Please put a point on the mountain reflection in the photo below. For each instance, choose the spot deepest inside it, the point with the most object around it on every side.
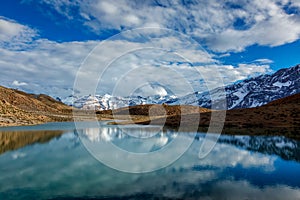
(137, 139)
(12, 140)
(76, 174)
(286, 148)
(151, 139)
(62, 167)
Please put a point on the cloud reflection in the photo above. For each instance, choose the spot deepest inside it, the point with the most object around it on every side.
(61, 168)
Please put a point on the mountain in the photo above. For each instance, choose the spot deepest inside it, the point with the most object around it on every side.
(280, 117)
(249, 93)
(17, 107)
(109, 102)
(284, 112)
(31, 102)
(157, 110)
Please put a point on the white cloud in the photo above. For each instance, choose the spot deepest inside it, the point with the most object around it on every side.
(149, 90)
(228, 74)
(271, 32)
(13, 34)
(133, 70)
(133, 59)
(46, 67)
(107, 7)
(264, 61)
(261, 22)
(294, 3)
(50, 67)
(17, 83)
(9, 29)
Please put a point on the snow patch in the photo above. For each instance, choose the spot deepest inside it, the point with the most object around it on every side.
(279, 84)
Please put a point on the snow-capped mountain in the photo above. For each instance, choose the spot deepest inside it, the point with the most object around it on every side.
(282, 146)
(107, 101)
(248, 93)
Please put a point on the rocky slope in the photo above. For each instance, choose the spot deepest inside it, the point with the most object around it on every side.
(249, 93)
(20, 108)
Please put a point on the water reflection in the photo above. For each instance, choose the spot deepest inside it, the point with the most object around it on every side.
(237, 168)
(140, 140)
(286, 148)
(143, 150)
(11, 140)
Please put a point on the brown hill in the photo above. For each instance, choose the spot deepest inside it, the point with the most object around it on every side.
(32, 102)
(283, 112)
(149, 112)
(156, 110)
(280, 115)
(293, 99)
(20, 108)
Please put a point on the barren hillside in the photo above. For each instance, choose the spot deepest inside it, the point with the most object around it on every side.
(20, 108)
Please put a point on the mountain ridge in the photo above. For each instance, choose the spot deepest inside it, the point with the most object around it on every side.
(248, 93)
(18, 107)
(281, 117)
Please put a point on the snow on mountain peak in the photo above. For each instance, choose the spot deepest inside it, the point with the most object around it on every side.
(108, 101)
(252, 92)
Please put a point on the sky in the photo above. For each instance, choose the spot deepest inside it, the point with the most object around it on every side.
(126, 47)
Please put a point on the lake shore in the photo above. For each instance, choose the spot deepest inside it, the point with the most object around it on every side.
(280, 117)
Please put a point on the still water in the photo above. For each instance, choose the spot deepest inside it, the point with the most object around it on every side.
(58, 161)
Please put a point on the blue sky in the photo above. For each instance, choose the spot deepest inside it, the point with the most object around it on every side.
(43, 43)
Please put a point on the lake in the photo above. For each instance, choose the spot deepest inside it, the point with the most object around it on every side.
(92, 161)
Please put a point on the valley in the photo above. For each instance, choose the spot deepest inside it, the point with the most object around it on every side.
(276, 112)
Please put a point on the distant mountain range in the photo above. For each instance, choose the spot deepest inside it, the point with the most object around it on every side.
(252, 92)
(20, 108)
(108, 102)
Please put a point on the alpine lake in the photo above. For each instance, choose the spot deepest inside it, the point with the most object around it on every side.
(89, 160)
